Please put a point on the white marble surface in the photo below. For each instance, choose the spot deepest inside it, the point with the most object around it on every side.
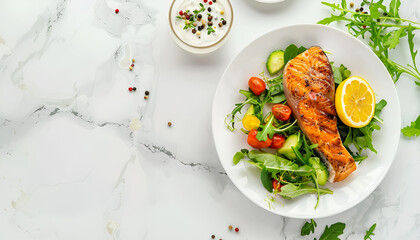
(82, 158)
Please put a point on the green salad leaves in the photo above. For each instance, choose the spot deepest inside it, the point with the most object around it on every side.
(413, 129)
(383, 28)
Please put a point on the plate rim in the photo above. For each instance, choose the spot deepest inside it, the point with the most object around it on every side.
(306, 216)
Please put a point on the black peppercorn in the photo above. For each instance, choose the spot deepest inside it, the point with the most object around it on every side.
(200, 28)
(199, 16)
(210, 23)
(209, 9)
(361, 9)
(194, 30)
(214, 1)
(210, 18)
(134, 88)
(224, 22)
(146, 93)
(357, 10)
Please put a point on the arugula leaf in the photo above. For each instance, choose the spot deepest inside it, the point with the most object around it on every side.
(291, 52)
(393, 38)
(374, 9)
(340, 73)
(238, 157)
(412, 52)
(394, 6)
(266, 180)
(278, 98)
(267, 131)
(331, 19)
(369, 232)
(413, 129)
(308, 227)
(332, 232)
(290, 191)
(384, 32)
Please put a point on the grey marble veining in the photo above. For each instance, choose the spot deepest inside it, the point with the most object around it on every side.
(83, 158)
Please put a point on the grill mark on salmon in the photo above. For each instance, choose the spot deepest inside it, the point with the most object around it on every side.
(309, 89)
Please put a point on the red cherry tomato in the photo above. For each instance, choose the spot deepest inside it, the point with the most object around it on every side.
(257, 85)
(281, 112)
(253, 141)
(277, 141)
(276, 185)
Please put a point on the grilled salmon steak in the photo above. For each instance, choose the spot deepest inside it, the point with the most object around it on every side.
(308, 83)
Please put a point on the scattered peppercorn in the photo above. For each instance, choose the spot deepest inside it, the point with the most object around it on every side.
(385, 14)
(194, 30)
(181, 13)
(357, 9)
(132, 64)
(214, 1)
(200, 28)
(361, 9)
(146, 97)
(131, 68)
(134, 88)
(117, 11)
(220, 24)
(210, 17)
(209, 9)
(224, 22)
(210, 2)
(130, 89)
(365, 12)
(212, 236)
(352, 4)
(199, 16)
(230, 227)
(169, 124)
(210, 23)
(147, 92)
(236, 229)
(133, 60)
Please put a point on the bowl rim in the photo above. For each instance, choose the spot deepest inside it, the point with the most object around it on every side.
(206, 46)
(306, 216)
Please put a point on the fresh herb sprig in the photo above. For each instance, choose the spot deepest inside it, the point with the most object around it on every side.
(413, 129)
(369, 232)
(385, 32)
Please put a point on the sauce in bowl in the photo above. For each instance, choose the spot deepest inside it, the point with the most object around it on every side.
(200, 26)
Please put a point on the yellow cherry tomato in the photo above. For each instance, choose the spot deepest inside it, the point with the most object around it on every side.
(250, 122)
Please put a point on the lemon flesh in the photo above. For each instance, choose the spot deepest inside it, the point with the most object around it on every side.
(355, 102)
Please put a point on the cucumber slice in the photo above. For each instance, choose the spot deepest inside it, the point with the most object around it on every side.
(294, 141)
(320, 170)
(275, 62)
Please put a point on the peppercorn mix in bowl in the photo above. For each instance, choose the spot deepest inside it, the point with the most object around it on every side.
(200, 26)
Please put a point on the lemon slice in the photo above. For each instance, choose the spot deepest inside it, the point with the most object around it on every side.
(355, 102)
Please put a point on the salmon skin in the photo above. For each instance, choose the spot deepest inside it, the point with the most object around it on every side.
(309, 88)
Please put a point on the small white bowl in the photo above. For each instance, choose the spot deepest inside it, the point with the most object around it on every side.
(183, 41)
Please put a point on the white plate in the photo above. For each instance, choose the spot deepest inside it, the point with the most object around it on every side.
(345, 50)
